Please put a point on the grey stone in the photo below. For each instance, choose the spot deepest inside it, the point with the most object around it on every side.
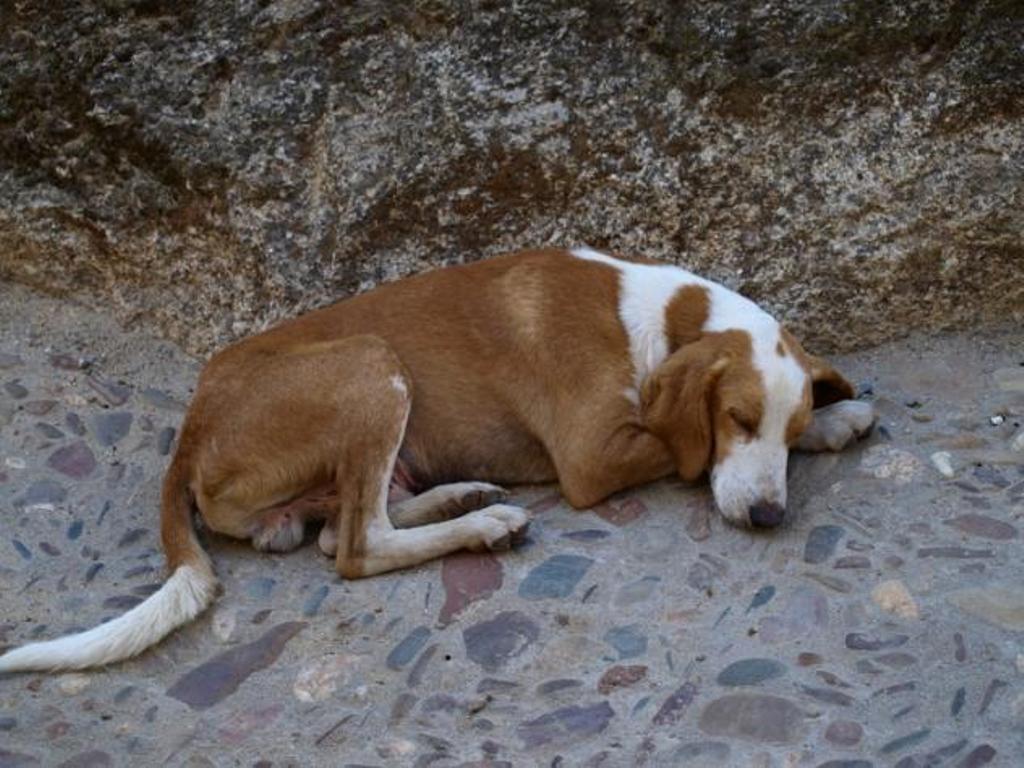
(493, 642)
(16, 390)
(630, 641)
(565, 725)
(219, 677)
(983, 526)
(905, 742)
(844, 733)
(821, 543)
(556, 577)
(411, 644)
(164, 439)
(857, 641)
(754, 718)
(49, 431)
(111, 427)
(996, 605)
(750, 672)
(45, 491)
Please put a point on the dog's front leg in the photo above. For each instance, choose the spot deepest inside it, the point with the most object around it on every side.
(836, 426)
(599, 459)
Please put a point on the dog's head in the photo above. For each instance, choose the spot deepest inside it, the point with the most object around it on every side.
(733, 402)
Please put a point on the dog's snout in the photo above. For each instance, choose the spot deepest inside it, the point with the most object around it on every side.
(766, 514)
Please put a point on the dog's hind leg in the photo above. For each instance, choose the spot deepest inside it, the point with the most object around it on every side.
(367, 541)
(444, 502)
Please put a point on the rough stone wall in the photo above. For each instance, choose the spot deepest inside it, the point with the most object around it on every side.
(206, 167)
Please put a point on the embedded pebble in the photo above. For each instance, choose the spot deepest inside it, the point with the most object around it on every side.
(943, 461)
(621, 677)
(750, 672)
(113, 394)
(492, 643)
(73, 683)
(45, 491)
(316, 598)
(844, 733)
(636, 592)
(996, 605)
(164, 439)
(218, 678)
(856, 641)
(565, 725)
(887, 463)
(821, 543)
(112, 426)
(893, 597)
(629, 641)
(407, 649)
(675, 707)
(224, 623)
(319, 680)
(983, 526)
(468, 577)
(16, 390)
(755, 718)
(75, 460)
(49, 431)
(556, 577)
(39, 407)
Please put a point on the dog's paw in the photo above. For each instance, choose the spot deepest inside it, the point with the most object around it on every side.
(836, 426)
(479, 495)
(328, 540)
(500, 527)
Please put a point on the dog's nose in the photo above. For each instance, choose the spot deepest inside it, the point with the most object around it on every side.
(766, 514)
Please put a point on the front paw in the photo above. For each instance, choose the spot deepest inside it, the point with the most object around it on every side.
(836, 426)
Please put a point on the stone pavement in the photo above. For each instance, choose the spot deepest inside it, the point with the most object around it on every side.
(881, 627)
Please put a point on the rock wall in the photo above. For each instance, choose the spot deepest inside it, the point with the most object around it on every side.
(207, 167)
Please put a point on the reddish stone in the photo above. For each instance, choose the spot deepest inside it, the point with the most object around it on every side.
(239, 725)
(621, 676)
(468, 577)
(844, 733)
(983, 526)
(676, 705)
(622, 513)
(75, 460)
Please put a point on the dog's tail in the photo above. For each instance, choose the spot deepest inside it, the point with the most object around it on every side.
(186, 594)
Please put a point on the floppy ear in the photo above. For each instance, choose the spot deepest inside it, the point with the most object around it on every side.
(676, 404)
(828, 385)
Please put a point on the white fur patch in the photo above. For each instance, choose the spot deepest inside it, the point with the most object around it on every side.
(756, 470)
(398, 384)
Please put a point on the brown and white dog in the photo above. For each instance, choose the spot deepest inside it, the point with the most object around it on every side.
(598, 372)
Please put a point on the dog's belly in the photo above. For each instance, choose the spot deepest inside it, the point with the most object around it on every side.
(496, 453)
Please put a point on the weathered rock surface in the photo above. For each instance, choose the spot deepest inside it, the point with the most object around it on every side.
(207, 167)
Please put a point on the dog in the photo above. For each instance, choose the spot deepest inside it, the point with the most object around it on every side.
(595, 371)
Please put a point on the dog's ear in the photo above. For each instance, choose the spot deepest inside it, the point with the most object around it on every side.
(827, 384)
(676, 404)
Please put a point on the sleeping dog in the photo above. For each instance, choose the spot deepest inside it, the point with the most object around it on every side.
(597, 372)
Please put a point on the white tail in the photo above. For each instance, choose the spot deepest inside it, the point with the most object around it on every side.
(185, 595)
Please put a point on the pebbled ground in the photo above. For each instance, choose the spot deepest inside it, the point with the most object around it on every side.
(882, 626)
